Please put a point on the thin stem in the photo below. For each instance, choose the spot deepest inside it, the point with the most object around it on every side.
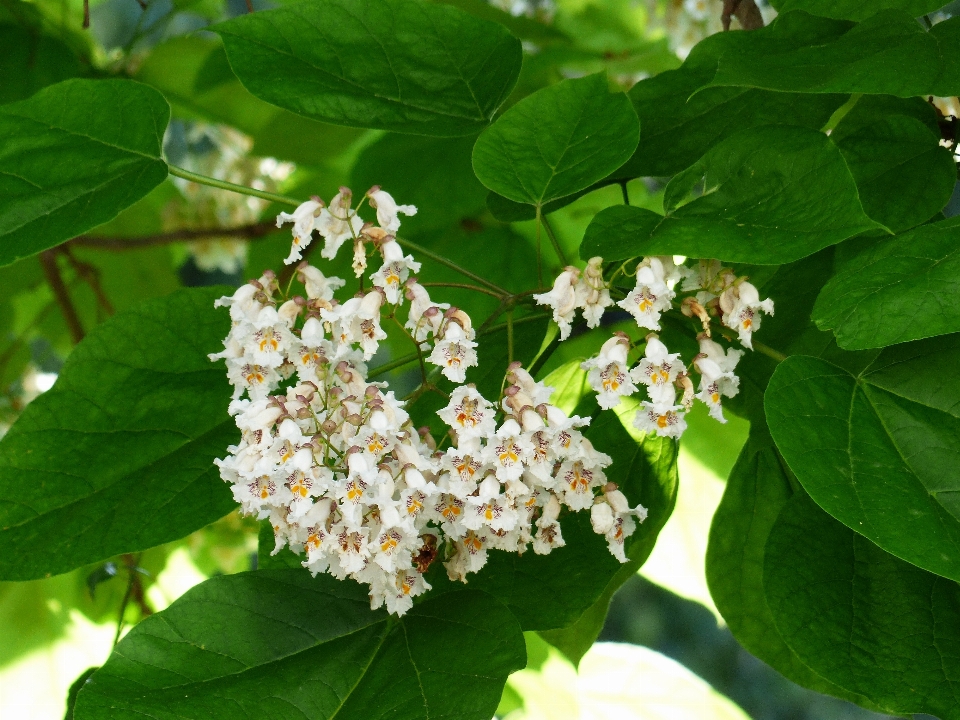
(539, 258)
(553, 239)
(626, 195)
(769, 351)
(393, 365)
(423, 367)
(48, 259)
(224, 185)
(509, 336)
(91, 276)
(246, 232)
(465, 286)
(453, 266)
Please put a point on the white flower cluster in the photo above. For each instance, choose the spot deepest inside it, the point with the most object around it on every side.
(334, 461)
(718, 292)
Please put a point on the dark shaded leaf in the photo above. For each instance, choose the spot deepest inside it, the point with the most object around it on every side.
(281, 644)
(72, 157)
(401, 65)
(896, 289)
(869, 622)
(556, 142)
(888, 53)
(758, 487)
(118, 456)
(767, 195)
(879, 449)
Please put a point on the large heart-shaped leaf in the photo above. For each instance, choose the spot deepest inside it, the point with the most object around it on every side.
(903, 175)
(856, 9)
(403, 65)
(557, 141)
(871, 623)
(898, 289)
(888, 53)
(879, 450)
(72, 157)
(767, 195)
(284, 645)
(757, 489)
(118, 456)
(678, 124)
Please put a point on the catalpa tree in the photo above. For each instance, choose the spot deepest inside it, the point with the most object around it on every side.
(502, 274)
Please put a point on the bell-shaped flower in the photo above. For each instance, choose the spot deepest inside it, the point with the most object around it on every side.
(663, 417)
(651, 296)
(717, 379)
(338, 223)
(593, 295)
(508, 450)
(387, 209)
(658, 369)
(562, 299)
(741, 305)
(469, 413)
(394, 272)
(609, 374)
(318, 285)
(454, 353)
(304, 220)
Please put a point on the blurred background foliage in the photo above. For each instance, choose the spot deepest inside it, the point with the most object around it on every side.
(184, 234)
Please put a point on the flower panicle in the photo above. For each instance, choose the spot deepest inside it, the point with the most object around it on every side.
(334, 461)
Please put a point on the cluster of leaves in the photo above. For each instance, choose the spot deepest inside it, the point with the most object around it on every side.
(806, 150)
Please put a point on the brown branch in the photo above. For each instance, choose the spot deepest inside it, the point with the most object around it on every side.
(253, 231)
(86, 14)
(746, 12)
(48, 259)
(91, 276)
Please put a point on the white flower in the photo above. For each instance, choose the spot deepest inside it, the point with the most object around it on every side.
(658, 369)
(304, 220)
(717, 379)
(454, 353)
(663, 417)
(651, 296)
(395, 271)
(592, 292)
(425, 315)
(317, 285)
(578, 480)
(469, 413)
(609, 374)
(508, 450)
(562, 299)
(741, 305)
(338, 223)
(387, 209)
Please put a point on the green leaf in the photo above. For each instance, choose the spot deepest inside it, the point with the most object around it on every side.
(757, 489)
(281, 644)
(72, 157)
(402, 65)
(32, 60)
(879, 450)
(767, 195)
(889, 53)
(678, 125)
(433, 174)
(869, 622)
(618, 232)
(856, 9)
(896, 290)
(194, 75)
(118, 456)
(556, 142)
(902, 173)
